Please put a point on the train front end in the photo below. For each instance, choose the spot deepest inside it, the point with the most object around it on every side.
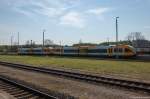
(129, 51)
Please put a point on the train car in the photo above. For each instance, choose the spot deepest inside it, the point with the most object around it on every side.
(121, 51)
(48, 51)
(98, 51)
(73, 51)
(25, 51)
(101, 51)
(37, 51)
(83, 50)
(143, 50)
(57, 51)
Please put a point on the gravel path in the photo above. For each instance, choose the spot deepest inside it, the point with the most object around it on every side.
(75, 88)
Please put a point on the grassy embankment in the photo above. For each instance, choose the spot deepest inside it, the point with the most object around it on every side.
(140, 70)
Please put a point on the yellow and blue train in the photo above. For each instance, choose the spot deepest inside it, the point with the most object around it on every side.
(98, 51)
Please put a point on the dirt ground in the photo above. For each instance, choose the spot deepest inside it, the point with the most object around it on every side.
(75, 88)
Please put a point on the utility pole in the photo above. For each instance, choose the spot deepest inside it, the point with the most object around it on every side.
(117, 37)
(18, 39)
(11, 41)
(43, 37)
(31, 43)
(60, 48)
(60, 43)
(108, 41)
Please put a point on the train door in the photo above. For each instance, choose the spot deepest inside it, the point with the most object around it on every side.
(30, 51)
(110, 52)
(83, 51)
(46, 51)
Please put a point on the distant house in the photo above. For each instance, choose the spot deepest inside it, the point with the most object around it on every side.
(141, 43)
(142, 46)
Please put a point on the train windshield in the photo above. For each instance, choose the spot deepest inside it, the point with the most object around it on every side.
(132, 48)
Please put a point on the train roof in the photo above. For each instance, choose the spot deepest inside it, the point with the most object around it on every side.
(37, 48)
(71, 47)
(75, 47)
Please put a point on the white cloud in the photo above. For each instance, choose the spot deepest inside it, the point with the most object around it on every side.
(64, 12)
(24, 12)
(98, 11)
(49, 8)
(73, 19)
(49, 12)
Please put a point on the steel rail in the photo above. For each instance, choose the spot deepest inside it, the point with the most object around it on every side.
(22, 91)
(141, 86)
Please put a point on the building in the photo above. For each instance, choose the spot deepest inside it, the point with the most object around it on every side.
(142, 46)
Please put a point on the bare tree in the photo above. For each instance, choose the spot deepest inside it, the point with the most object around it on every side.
(27, 42)
(48, 42)
(80, 41)
(133, 36)
(33, 44)
(15, 43)
(139, 36)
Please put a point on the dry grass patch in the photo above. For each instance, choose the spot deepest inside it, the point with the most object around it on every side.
(139, 70)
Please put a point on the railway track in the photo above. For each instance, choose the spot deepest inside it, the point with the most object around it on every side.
(140, 86)
(22, 91)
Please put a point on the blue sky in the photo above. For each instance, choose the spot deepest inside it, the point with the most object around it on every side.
(69, 21)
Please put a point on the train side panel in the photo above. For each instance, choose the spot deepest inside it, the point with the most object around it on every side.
(98, 51)
(71, 51)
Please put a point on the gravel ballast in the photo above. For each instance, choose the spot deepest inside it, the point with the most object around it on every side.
(74, 88)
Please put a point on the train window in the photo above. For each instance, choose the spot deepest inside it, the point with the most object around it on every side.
(28, 50)
(83, 51)
(120, 50)
(127, 50)
(37, 50)
(115, 50)
(71, 51)
(103, 51)
(57, 50)
(97, 51)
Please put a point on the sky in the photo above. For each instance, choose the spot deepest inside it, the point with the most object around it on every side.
(68, 21)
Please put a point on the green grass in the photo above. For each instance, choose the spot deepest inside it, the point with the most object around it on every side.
(139, 70)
